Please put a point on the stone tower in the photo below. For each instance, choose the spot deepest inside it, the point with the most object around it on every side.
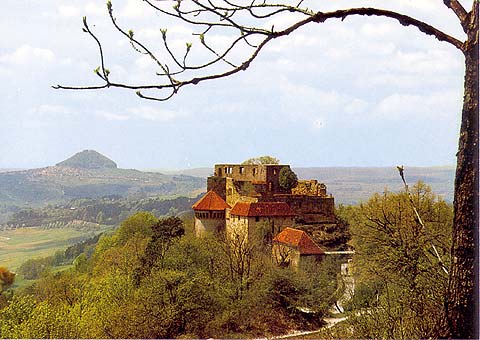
(210, 214)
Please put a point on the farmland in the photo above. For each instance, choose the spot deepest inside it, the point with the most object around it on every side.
(19, 245)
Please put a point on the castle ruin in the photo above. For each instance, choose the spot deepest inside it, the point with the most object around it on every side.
(239, 197)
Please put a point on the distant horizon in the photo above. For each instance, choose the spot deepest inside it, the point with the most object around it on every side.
(228, 160)
(162, 169)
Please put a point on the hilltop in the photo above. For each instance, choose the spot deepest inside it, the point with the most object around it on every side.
(88, 159)
(89, 174)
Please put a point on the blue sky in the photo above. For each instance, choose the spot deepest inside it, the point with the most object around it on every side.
(363, 92)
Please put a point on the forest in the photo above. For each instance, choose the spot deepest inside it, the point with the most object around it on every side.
(152, 278)
(107, 210)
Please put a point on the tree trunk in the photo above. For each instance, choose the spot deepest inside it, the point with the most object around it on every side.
(462, 300)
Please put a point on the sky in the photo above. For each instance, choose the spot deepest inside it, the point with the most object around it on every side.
(362, 92)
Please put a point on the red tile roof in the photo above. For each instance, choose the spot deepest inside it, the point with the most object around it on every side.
(211, 201)
(298, 239)
(272, 209)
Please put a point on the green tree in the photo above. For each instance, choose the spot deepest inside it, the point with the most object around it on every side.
(139, 224)
(164, 233)
(14, 315)
(396, 266)
(261, 160)
(287, 178)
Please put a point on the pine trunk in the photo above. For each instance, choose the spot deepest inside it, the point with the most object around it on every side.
(462, 301)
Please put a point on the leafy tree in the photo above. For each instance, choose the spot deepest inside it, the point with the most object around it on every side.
(287, 178)
(261, 160)
(195, 288)
(397, 271)
(14, 315)
(248, 24)
(164, 233)
(139, 224)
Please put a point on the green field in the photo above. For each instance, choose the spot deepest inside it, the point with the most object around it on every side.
(19, 245)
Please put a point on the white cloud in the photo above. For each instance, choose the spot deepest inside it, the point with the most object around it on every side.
(93, 8)
(112, 116)
(377, 30)
(356, 106)
(68, 11)
(134, 9)
(430, 61)
(48, 109)
(26, 54)
(153, 114)
(437, 105)
(144, 62)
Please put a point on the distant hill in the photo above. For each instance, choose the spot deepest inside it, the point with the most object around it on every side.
(88, 159)
(89, 174)
(196, 172)
(352, 185)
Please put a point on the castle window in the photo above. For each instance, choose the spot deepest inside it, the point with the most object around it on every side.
(241, 170)
(274, 171)
(257, 218)
(229, 191)
(254, 171)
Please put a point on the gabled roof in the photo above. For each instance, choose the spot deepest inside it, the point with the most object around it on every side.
(266, 209)
(211, 201)
(298, 239)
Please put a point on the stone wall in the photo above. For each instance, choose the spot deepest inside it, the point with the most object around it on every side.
(257, 174)
(208, 225)
(310, 209)
(217, 184)
(237, 226)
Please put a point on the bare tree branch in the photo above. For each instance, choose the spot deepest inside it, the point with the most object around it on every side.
(458, 9)
(209, 16)
(404, 20)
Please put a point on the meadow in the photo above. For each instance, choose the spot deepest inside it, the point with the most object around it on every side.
(19, 245)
